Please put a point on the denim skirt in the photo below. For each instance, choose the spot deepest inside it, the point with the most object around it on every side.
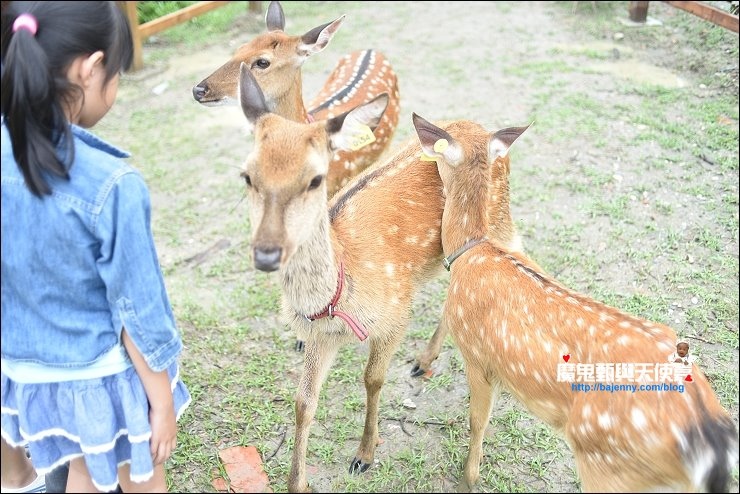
(105, 420)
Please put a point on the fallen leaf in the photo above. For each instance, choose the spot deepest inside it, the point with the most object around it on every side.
(725, 120)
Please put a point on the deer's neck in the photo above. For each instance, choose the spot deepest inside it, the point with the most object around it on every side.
(290, 104)
(499, 213)
(310, 276)
(465, 215)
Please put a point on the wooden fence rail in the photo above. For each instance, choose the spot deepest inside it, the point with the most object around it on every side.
(638, 13)
(140, 32)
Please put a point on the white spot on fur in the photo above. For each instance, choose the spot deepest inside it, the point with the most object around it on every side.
(638, 419)
(605, 420)
(680, 437)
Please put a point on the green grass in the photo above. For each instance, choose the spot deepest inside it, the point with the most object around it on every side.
(193, 31)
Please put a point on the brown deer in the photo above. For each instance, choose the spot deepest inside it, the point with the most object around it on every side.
(513, 324)
(275, 59)
(349, 267)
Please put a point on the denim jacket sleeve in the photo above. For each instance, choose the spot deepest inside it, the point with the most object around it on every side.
(129, 266)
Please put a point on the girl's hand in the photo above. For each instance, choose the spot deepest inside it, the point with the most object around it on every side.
(164, 432)
(161, 408)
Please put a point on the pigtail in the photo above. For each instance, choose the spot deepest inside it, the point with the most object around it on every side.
(31, 106)
(39, 42)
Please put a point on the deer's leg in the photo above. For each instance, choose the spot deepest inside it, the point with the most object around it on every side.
(424, 360)
(381, 351)
(481, 402)
(317, 362)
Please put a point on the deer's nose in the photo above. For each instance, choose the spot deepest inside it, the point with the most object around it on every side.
(198, 92)
(267, 259)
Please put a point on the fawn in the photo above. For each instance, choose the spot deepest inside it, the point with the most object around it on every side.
(512, 324)
(348, 267)
(275, 59)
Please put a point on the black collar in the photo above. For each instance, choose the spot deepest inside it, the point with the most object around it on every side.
(447, 261)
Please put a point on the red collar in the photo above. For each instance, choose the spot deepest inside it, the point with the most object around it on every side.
(332, 311)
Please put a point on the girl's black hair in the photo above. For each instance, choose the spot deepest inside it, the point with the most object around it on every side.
(35, 88)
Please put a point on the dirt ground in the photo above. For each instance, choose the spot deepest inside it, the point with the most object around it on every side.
(501, 64)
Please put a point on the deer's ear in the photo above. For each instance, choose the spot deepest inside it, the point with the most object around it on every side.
(275, 18)
(318, 38)
(436, 143)
(500, 141)
(354, 129)
(250, 95)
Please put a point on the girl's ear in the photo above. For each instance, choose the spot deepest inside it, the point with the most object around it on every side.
(89, 65)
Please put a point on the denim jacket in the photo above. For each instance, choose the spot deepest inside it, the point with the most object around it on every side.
(80, 264)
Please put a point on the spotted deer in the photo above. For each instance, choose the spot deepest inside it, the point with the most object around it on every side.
(348, 267)
(516, 327)
(275, 59)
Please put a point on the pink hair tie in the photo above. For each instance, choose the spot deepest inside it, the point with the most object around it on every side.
(26, 21)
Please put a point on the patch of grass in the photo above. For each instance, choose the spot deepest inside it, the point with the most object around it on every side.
(571, 114)
(615, 208)
(701, 129)
(196, 31)
(438, 381)
(547, 68)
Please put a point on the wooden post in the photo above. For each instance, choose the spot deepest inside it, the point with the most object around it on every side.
(255, 7)
(638, 11)
(129, 8)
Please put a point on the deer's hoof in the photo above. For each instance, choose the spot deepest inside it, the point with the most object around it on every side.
(298, 345)
(417, 371)
(358, 466)
(464, 487)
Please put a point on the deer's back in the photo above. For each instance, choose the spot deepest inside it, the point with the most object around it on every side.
(388, 223)
(527, 322)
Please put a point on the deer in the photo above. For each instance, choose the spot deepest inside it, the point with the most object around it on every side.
(512, 324)
(348, 266)
(275, 59)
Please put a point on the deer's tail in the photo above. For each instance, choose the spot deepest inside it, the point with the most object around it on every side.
(711, 450)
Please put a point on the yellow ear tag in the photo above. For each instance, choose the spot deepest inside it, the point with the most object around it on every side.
(362, 138)
(439, 147)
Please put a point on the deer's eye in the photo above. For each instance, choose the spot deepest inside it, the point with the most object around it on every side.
(261, 63)
(247, 180)
(315, 182)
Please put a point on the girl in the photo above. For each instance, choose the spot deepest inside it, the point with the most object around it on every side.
(89, 341)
